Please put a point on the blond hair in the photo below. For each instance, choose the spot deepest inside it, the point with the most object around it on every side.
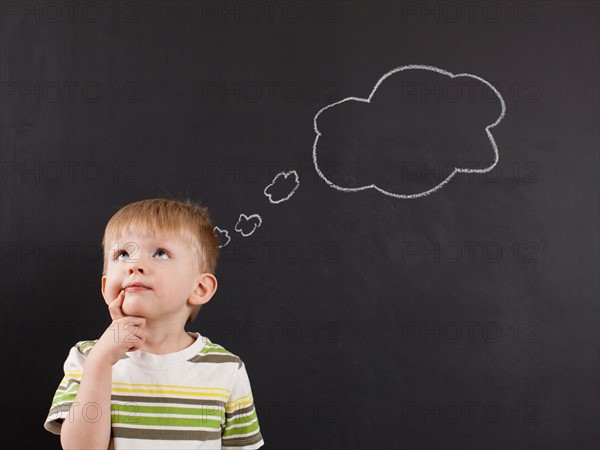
(184, 219)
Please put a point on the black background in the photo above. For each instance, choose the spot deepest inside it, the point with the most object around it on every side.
(322, 301)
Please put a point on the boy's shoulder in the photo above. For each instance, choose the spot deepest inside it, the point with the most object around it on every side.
(84, 347)
(210, 352)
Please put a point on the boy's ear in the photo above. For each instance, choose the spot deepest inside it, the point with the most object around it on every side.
(206, 288)
(103, 289)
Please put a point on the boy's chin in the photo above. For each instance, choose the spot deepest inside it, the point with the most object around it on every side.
(131, 309)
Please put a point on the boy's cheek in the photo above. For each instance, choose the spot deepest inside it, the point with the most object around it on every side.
(113, 291)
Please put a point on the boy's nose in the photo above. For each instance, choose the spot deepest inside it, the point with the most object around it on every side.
(135, 267)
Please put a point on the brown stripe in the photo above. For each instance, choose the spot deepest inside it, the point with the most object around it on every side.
(186, 401)
(68, 386)
(65, 407)
(214, 358)
(247, 409)
(168, 435)
(80, 344)
(241, 441)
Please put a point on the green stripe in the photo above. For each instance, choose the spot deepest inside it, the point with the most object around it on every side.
(68, 397)
(65, 387)
(165, 421)
(252, 428)
(202, 411)
(214, 349)
(242, 419)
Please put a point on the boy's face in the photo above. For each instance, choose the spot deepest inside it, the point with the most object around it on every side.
(166, 267)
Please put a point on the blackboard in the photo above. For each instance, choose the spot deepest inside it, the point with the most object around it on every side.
(377, 302)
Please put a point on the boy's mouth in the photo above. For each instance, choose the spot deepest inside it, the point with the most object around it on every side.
(134, 287)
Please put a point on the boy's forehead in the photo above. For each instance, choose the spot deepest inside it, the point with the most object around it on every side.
(139, 233)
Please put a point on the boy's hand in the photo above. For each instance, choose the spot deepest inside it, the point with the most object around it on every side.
(125, 333)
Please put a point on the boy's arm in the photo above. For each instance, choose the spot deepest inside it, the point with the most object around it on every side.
(241, 430)
(89, 421)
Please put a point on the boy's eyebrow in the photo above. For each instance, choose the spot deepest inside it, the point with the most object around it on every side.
(154, 242)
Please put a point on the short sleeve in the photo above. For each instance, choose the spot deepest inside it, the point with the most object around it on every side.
(241, 429)
(68, 387)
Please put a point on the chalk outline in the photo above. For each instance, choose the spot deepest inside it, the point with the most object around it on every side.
(226, 235)
(368, 100)
(285, 174)
(248, 218)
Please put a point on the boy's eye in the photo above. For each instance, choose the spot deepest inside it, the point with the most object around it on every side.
(161, 251)
(157, 252)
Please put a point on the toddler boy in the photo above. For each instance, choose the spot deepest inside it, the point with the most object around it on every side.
(146, 382)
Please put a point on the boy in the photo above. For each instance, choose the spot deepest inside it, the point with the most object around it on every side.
(146, 382)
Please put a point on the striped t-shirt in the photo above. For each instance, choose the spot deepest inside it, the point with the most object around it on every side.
(197, 398)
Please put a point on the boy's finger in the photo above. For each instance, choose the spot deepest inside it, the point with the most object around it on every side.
(140, 333)
(135, 321)
(114, 308)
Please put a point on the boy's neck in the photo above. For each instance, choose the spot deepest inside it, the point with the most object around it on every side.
(162, 343)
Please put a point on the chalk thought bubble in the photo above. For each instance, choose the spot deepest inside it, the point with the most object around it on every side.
(247, 225)
(418, 128)
(282, 187)
(222, 236)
